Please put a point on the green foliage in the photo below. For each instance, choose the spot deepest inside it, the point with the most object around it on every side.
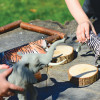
(26, 10)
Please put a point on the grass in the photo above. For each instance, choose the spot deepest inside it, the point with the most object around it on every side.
(26, 10)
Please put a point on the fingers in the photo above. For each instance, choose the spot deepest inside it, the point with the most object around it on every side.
(6, 87)
(93, 29)
(83, 37)
(7, 72)
(87, 28)
(14, 87)
(8, 91)
(83, 31)
(4, 66)
(7, 94)
(80, 34)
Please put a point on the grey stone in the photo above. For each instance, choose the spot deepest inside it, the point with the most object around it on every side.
(55, 84)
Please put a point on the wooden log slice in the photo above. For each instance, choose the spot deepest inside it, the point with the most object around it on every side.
(67, 51)
(83, 74)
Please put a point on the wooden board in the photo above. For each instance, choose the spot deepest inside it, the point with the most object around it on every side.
(83, 74)
(67, 51)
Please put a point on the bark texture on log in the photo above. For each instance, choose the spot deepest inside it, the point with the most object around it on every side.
(39, 29)
(51, 39)
(83, 74)
(10, 26)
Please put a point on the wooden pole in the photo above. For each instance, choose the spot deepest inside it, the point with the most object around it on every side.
(41, 29)
(10, 26)
(53, 38)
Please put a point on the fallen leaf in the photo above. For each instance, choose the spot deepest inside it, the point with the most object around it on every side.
(33, 10)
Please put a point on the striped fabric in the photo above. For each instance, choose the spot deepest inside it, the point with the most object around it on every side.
(94, 44)
(33, 47)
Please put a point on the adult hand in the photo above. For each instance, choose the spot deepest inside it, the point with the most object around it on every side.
(5, 86)
(83, 29)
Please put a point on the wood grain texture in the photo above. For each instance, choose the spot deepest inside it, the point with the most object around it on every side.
(83, 74)
(66, 51)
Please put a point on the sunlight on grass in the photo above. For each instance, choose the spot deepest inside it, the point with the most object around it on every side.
(27, 10)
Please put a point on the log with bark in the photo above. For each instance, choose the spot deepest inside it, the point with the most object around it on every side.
(53, 38)
(39, 29)
(66, 51)
(83, 74)
(10, 26)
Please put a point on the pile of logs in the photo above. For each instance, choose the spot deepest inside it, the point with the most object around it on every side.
(53, 34)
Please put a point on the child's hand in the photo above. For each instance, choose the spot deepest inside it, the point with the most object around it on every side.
(83, 29)
(5, 86)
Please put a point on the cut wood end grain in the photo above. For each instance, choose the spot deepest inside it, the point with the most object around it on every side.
(67, 51)
(83, 74)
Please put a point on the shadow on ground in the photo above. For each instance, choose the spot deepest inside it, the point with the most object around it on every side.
(53, 90)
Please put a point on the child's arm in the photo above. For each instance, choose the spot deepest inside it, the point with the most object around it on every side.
(82, 19)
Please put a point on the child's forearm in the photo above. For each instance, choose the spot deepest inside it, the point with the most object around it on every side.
(77, 11)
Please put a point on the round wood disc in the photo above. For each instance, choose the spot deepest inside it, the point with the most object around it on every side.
(66, 51)
(83, 74)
